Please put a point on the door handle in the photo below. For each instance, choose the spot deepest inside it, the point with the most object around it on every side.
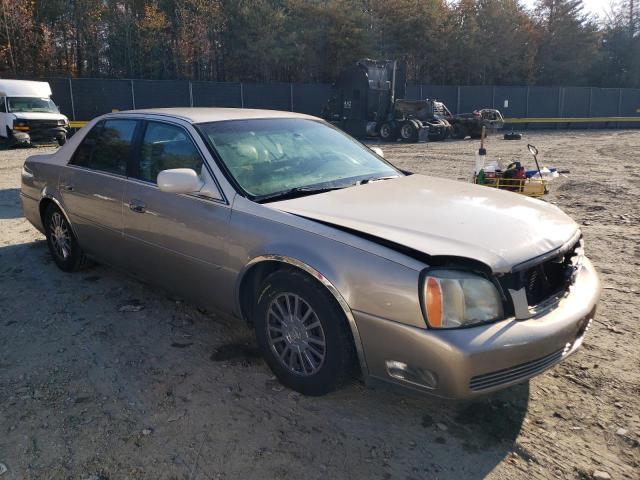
(137, 206)
(66, 187)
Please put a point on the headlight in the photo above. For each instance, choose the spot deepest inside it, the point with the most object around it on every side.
(459, 299)
(62, 123)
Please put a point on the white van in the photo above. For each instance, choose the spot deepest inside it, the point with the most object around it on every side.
(27, 114)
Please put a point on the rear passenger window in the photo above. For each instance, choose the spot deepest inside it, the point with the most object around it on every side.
(107, 147)
(164, 147)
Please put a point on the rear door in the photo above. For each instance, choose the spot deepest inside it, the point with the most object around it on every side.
(93, 184)
(175, 240)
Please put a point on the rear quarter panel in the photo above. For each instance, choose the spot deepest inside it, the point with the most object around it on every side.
(39, 179)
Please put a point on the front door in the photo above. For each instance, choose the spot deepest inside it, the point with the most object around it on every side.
(93, 185)
(176, 240)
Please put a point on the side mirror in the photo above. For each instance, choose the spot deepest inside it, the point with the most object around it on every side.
(378, 151)
(179, 180)
(532, 149)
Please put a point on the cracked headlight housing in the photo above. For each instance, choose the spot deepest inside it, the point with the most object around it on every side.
(454, 299)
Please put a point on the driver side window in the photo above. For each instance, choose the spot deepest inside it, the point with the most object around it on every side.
(164, 147)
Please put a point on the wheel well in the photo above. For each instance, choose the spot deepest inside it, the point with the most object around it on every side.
(44, 204)
(251, 282)
(254, 277)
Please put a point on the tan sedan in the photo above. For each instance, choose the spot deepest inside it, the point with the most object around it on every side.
(341, 262)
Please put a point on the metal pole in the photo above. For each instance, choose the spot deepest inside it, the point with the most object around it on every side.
(559, 107)
(133, 95)
(526, 108)
(291, 95)
(458, 102)
(421, 94)
(619, 106)
(590, 104)
(190, 94)
(241, 96)
(73, 106)
(493, 96)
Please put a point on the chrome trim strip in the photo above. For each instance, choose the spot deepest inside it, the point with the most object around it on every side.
(322, 279)
(59, 205)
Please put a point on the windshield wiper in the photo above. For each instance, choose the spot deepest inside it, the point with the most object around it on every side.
(375, 179)
(297, 192)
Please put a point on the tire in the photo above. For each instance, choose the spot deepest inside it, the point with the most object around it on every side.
(513, 136)
(63, 245)
(476, 135)
(408, 132)
(294, 351)
(62, 140)
(388, 132)
(459, 132)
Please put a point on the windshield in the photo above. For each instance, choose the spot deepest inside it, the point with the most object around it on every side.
(31, 104)
(269, 156)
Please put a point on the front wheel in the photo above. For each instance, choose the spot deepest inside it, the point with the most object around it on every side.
(64, 247)
(302, 333)
(62, 139)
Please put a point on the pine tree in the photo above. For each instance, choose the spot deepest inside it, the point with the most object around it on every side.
(568, 42)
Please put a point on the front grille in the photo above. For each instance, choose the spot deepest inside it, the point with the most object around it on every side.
(553, 276)
(513, 374)
(548, 278)
(41, 124)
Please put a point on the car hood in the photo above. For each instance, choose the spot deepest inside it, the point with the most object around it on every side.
(442, 217)
(38, 116)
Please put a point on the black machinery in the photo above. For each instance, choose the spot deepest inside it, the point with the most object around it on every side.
(368, 100)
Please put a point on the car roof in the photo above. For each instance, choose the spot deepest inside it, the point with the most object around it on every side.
(204, 115)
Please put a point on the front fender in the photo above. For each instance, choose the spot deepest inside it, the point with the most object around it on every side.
(367, 280)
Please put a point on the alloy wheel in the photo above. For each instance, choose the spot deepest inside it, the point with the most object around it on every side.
(60, 235)
(295, 334)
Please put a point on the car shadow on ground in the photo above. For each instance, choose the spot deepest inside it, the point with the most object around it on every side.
(10, 203)
(115, 357)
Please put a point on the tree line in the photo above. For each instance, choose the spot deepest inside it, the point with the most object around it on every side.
(466, 42)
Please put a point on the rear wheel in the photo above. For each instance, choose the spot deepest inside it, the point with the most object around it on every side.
(302, 333)
(408, 132)
(64, 247)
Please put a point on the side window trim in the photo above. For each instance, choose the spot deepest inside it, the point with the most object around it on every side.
(137, 156)
(133, 162)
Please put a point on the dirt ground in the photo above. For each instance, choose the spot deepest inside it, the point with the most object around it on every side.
(88, 391)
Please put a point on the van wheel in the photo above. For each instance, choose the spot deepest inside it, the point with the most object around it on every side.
(302, 334)
(62, 140)
(64, 247)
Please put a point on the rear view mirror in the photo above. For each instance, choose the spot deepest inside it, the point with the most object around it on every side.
(378, 151)
(179, 180)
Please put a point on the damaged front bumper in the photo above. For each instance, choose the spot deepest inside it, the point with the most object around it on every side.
(25, 137)
(468, 362)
